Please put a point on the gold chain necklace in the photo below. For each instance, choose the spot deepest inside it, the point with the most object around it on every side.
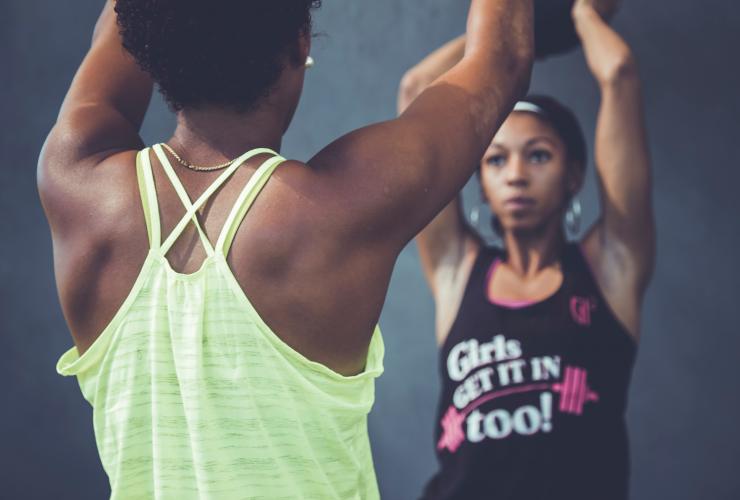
(196, 167)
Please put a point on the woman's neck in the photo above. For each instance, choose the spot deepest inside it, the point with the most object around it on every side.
(528, 253)
(213, 135)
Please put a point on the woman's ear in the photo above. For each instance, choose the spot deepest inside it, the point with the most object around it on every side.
(304, 46)
(576, 177)
(479, 176)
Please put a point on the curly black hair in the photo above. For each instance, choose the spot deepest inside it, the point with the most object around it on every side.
(228, 53)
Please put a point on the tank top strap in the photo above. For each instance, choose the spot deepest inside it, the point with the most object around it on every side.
(192, 210)
(575, 267)
(245, 201)
(474, 295)
(148, 193)
(484, 263)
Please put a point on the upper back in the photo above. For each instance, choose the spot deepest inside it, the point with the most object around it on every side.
(195, 396)
(319, 293)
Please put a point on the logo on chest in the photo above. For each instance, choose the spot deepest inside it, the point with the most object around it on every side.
(581, 309)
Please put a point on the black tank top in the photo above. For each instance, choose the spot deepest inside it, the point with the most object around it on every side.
(534, 396)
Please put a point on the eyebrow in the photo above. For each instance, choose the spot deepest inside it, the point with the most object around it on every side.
(540, 138)
(529, 142)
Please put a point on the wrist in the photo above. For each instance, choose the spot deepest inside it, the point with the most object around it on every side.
(584, 12)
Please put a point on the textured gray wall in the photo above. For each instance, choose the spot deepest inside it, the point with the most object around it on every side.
(684, 407)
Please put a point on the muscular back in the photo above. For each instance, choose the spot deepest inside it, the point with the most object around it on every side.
(320, 294)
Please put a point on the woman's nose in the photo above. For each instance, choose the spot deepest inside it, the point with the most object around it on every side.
(516, 173)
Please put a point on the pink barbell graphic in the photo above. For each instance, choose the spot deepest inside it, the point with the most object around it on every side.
(574, 391)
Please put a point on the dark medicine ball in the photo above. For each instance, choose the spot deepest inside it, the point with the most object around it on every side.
(554, 31)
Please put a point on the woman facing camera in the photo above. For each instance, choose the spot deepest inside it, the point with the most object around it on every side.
(537, 339)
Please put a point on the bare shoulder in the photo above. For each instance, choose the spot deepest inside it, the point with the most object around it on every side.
(332, 204)
(618, 281)
(82, 194)
(90, 203)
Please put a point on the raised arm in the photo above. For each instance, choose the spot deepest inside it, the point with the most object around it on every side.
(444, 242)
(403, 172)
(101, 115)
(621, 246)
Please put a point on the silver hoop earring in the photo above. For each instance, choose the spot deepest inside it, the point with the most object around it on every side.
(475, 216)
(573, 217)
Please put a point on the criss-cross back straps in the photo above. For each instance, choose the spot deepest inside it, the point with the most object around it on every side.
(244, 203)
(184, 198)
(191, 208)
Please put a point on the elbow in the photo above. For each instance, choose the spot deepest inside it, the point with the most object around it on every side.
(520, 67)
(621, 71)
(53, 147)
(44, 174)
(412, 84)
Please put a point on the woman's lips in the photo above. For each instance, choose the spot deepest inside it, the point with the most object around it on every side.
(519, 203)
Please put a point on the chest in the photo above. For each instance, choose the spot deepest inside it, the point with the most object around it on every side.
(567, 342)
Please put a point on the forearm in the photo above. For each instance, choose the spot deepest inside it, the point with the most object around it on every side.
(481, 89)
(496, 51)
(109, 76)
(620, 130)
(496, 67)
(609, 57)
(500, 30)
(621, 150)
(621, 153)
(493, 47)
(620, 133)
(457, 115)
(428, 70)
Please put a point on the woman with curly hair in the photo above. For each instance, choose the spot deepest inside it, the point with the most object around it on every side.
(537, 338)
(223, 300)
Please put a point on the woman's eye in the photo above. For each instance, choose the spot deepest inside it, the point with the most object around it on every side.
(496, 160)
(540, 156)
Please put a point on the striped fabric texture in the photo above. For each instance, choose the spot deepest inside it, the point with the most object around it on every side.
(194, 396)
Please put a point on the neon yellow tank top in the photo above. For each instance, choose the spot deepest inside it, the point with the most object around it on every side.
(194, 397)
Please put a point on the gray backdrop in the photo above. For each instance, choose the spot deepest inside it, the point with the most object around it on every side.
(684, 407)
